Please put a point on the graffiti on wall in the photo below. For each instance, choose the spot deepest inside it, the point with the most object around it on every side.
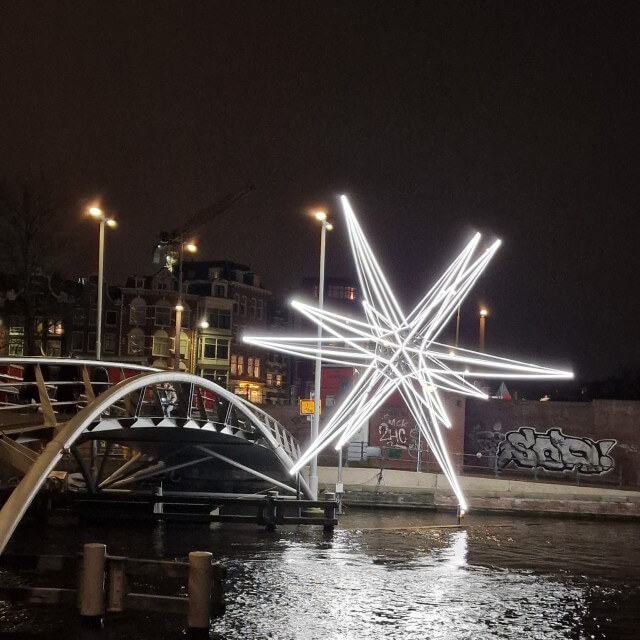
(394, 431)
(555, 451)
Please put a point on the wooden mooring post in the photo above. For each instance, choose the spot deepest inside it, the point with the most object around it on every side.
(104, 586)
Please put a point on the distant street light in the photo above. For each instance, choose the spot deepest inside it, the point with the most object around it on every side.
(191, 248)
(99, 215)
(315, 424)
(483, 317)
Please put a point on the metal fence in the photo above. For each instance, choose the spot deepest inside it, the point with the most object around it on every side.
(359, 454)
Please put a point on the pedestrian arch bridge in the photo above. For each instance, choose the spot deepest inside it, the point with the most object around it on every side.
(111, 427)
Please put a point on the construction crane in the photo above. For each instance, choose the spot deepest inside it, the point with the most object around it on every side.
(169, 243)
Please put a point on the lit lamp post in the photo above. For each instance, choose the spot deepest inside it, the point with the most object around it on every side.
(315, 424)
(203, 325)
(191, 248)
(99, 215)
(483, 317)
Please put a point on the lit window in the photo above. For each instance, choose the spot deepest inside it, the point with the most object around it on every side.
(249, 366)
(350, 293)
(256, 368)
(16, 346)
(278, 379)
(160, 345)
(234, 365)
(269, 378)
(240, 365)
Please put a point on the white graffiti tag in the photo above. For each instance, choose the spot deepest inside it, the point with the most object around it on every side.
(555, 451)
(393, 431)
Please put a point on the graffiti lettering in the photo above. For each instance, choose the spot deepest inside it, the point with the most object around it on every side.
(554, 451)
(393, 432)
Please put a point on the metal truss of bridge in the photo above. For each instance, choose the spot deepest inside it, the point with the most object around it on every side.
(110, 428)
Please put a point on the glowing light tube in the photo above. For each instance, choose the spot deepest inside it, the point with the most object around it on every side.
(399, 352)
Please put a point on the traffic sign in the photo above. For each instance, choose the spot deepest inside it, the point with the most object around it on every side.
(306, 406)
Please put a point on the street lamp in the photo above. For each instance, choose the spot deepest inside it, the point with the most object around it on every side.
(484, 312)
(315, 425)
(99, 215)
(191, 248)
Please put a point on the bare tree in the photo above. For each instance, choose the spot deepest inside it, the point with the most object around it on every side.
(31, 228)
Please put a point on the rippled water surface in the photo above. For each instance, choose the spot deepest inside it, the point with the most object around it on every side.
(380, 575)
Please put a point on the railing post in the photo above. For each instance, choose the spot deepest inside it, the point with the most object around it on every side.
(45, 402)
(92, 583)
(199, 585)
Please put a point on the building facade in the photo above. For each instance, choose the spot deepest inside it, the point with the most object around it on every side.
(148, 322)
(248, 302)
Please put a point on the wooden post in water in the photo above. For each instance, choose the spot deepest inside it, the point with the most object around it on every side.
(199, 585)
(329, 511)
(92, 583)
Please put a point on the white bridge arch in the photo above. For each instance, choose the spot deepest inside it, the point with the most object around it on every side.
(97, 421)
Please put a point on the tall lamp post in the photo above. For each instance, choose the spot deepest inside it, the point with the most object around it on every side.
(315, 424)
(191, 248)
(103, 219)
(483, 318)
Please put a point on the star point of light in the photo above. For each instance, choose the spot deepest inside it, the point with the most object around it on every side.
(399, 353)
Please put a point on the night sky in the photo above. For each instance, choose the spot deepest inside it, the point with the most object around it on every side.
(518, 119)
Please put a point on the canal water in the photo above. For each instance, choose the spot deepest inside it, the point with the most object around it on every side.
(381, 574)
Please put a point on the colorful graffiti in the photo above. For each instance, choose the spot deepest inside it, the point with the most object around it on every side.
(555, 451)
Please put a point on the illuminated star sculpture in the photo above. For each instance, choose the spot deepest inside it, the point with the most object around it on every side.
(398, 352)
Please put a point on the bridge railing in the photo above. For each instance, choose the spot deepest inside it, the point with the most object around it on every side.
(49, 390)
(53, 386)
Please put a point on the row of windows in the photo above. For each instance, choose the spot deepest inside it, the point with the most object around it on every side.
(237, 366)
(78, 344)
(338, 291)
(162, 313)
(80, 317)
(53, 327)
(219, 318)
(214, 348)
(250, 307)
(271, 378)
(160, 344)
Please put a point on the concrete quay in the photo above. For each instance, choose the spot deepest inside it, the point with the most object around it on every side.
(390, 488)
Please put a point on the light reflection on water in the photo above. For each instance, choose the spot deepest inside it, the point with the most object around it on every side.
(500, 578)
